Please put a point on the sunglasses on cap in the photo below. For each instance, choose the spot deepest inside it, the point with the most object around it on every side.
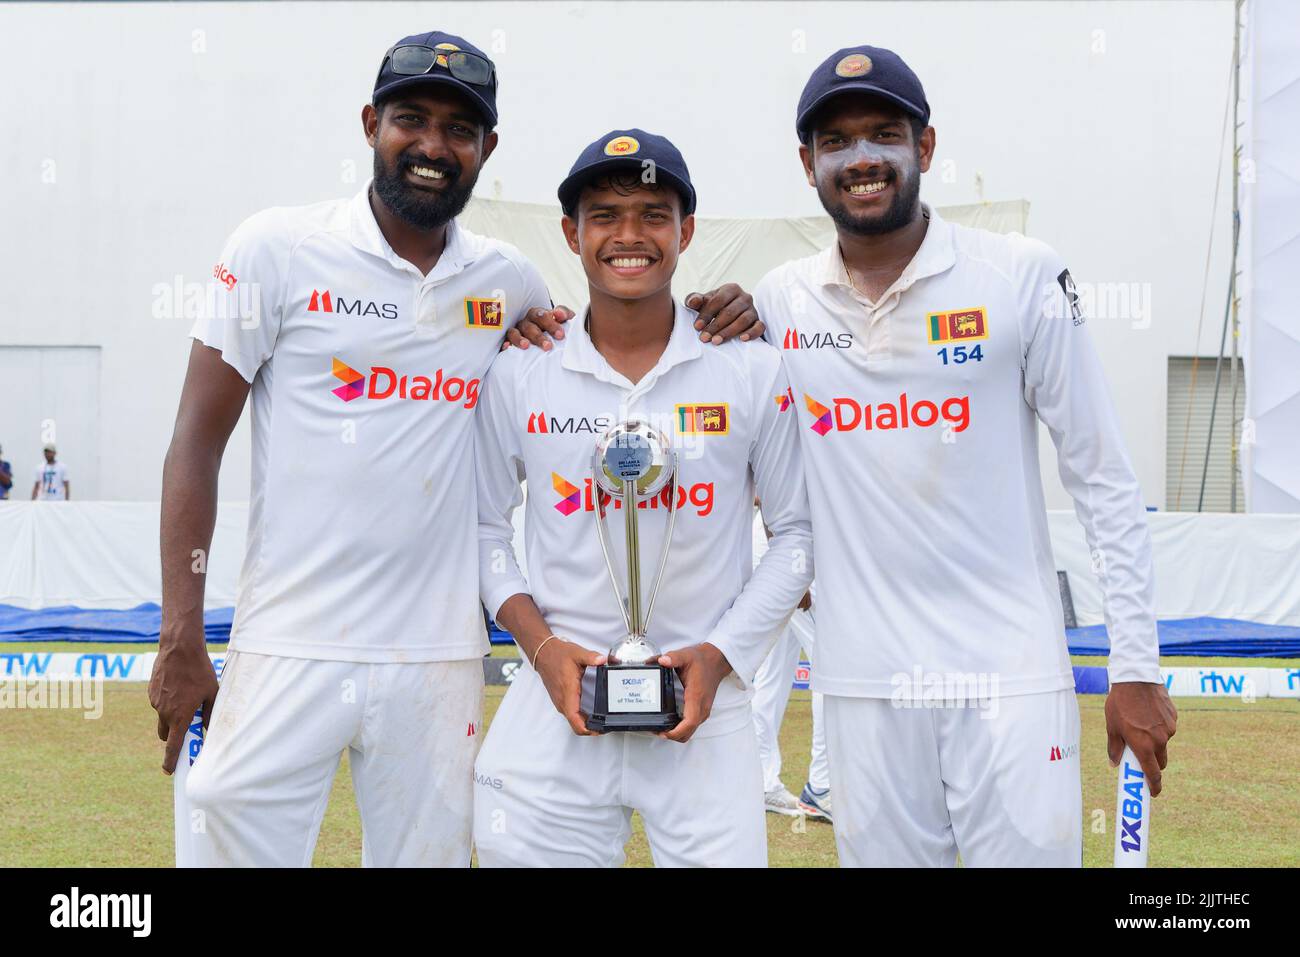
(417, 59)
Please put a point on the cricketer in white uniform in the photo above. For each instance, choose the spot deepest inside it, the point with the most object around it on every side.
(951, 718)
(357, 625)
(548, 794)
(772, 686)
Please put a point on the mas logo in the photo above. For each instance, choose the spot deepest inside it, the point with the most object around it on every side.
(702, 419)
(323, 301)
(961, 325)
(542, 424)
(794, 339)
(1062, 752)
(785, 400)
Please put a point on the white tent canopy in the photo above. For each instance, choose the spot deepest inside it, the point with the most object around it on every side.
(723, 250)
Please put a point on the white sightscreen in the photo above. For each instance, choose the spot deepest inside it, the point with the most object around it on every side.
(1270, 254)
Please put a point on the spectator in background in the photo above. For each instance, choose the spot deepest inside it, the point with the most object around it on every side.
(6, 477)
(51, 479)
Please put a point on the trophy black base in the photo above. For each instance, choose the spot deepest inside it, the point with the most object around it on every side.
(603, 720)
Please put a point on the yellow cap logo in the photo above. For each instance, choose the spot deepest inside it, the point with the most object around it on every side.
(855, 64)
(621, 146)
(442, 60)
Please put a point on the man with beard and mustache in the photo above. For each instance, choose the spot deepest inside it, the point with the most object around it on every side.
(922, 356)
(363, 329)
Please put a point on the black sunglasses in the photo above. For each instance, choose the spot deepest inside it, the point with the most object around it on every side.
(416, 60)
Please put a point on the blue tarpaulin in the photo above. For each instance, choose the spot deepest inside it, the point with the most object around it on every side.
(70, 623)
(1223, 637)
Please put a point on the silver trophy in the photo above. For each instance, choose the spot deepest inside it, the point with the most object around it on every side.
(633, 462)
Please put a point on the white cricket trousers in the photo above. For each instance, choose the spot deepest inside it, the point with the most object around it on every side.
(997, 782)
(277, 734)
(546, 797)
(772, 687)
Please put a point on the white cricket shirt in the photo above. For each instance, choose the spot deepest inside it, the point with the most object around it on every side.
(366, 376)
(920, 436)
(50, 479)
(541, 415)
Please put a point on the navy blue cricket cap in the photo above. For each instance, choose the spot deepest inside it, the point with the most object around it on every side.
(630, 150)
(458, 72)
(861, 69)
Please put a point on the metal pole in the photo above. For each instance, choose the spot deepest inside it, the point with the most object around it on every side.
(1236, 212)
(633, 558)
(1228, 310)
(1218, 373)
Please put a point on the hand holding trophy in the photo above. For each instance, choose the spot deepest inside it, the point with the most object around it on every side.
(632, 463)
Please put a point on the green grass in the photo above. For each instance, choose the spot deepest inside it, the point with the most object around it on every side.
(90, 793)
(1193, 661)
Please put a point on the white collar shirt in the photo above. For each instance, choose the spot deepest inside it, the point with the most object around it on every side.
(722, 410)
(919, 420)
(365, 379)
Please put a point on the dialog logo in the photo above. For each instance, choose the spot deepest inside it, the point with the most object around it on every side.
(820, 413)
(570, 495)
(224, 276)
(847, 414)
(352, 381)
(385, 383)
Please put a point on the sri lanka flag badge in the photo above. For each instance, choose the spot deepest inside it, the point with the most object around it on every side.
(703, 419)
(960, 325)
(484, 313)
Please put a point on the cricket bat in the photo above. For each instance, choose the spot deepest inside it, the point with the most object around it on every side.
(186, 851)
(1132, 813)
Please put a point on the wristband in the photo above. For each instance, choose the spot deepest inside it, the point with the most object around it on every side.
(549, 638)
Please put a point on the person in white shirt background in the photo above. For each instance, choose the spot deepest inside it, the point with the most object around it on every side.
(51, 484)
(362, 329)
(6, 476)
(772, 687)
(922, 356)
(549, 792)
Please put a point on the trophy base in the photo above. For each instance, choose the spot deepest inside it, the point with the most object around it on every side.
(651, 705)
(656, 723)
